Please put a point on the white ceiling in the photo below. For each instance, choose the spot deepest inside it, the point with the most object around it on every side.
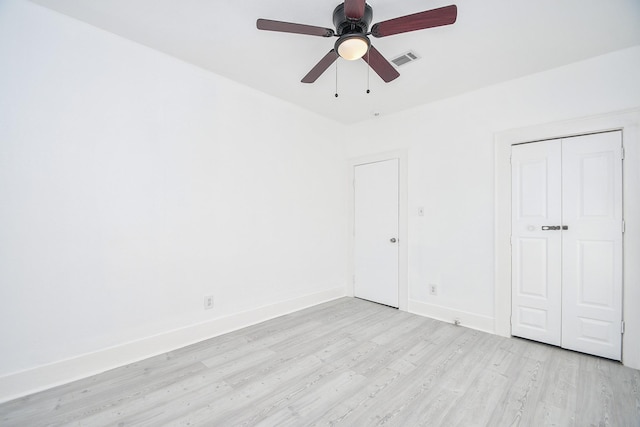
(492, 41)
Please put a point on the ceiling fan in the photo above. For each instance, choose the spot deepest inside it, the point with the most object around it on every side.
(351, 20)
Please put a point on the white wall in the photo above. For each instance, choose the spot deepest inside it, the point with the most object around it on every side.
(450, 147)
(132, 184)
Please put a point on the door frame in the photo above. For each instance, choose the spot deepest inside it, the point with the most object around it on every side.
(401, 155)
(629, 123)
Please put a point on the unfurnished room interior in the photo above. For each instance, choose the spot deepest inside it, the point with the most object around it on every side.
(274, 212)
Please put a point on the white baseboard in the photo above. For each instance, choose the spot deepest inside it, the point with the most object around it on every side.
(23, 383)
(469, 320)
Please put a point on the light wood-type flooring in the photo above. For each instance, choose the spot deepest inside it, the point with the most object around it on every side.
(353, 363)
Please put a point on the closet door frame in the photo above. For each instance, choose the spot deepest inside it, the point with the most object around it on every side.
(629, 123)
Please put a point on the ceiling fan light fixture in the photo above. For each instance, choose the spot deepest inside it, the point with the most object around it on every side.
(352, 46)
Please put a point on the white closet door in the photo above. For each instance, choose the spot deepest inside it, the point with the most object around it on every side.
(376, 227)
(536, 252)
(592, 245)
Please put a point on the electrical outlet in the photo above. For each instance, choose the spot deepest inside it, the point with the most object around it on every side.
(208, 302)
(433, 289)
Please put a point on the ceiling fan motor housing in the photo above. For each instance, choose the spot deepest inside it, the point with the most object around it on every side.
(345, 25)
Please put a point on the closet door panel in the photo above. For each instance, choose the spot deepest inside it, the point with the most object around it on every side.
(536, 252)
(592, 244)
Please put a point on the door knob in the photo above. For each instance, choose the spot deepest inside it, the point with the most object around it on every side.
(393, 240)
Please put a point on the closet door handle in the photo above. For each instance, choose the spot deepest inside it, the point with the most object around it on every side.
(554, 227)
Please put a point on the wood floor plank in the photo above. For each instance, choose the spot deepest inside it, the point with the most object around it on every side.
(313, 406)
(462, 393)
(362, 401)
(348, 362)
(393, 403)
(154, 408)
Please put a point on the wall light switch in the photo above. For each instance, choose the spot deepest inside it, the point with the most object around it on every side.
(208, 302)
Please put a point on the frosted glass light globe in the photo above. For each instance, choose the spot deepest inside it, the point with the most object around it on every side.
(352, 47)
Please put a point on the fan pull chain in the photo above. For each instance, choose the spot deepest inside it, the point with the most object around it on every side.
(368, 69)
(336, 79)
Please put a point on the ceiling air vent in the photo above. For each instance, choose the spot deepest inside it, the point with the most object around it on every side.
(405, 58)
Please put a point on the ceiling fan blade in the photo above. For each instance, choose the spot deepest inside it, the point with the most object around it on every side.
(288, 27)
(354, 9)
(320, 67)
(418, 21)
(380, 65)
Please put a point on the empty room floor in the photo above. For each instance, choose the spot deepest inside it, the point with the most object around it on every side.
(348, 362)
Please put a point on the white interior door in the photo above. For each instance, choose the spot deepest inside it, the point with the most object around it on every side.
(592, 245)
(536, 251)
(567, 243)
(376, 263)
